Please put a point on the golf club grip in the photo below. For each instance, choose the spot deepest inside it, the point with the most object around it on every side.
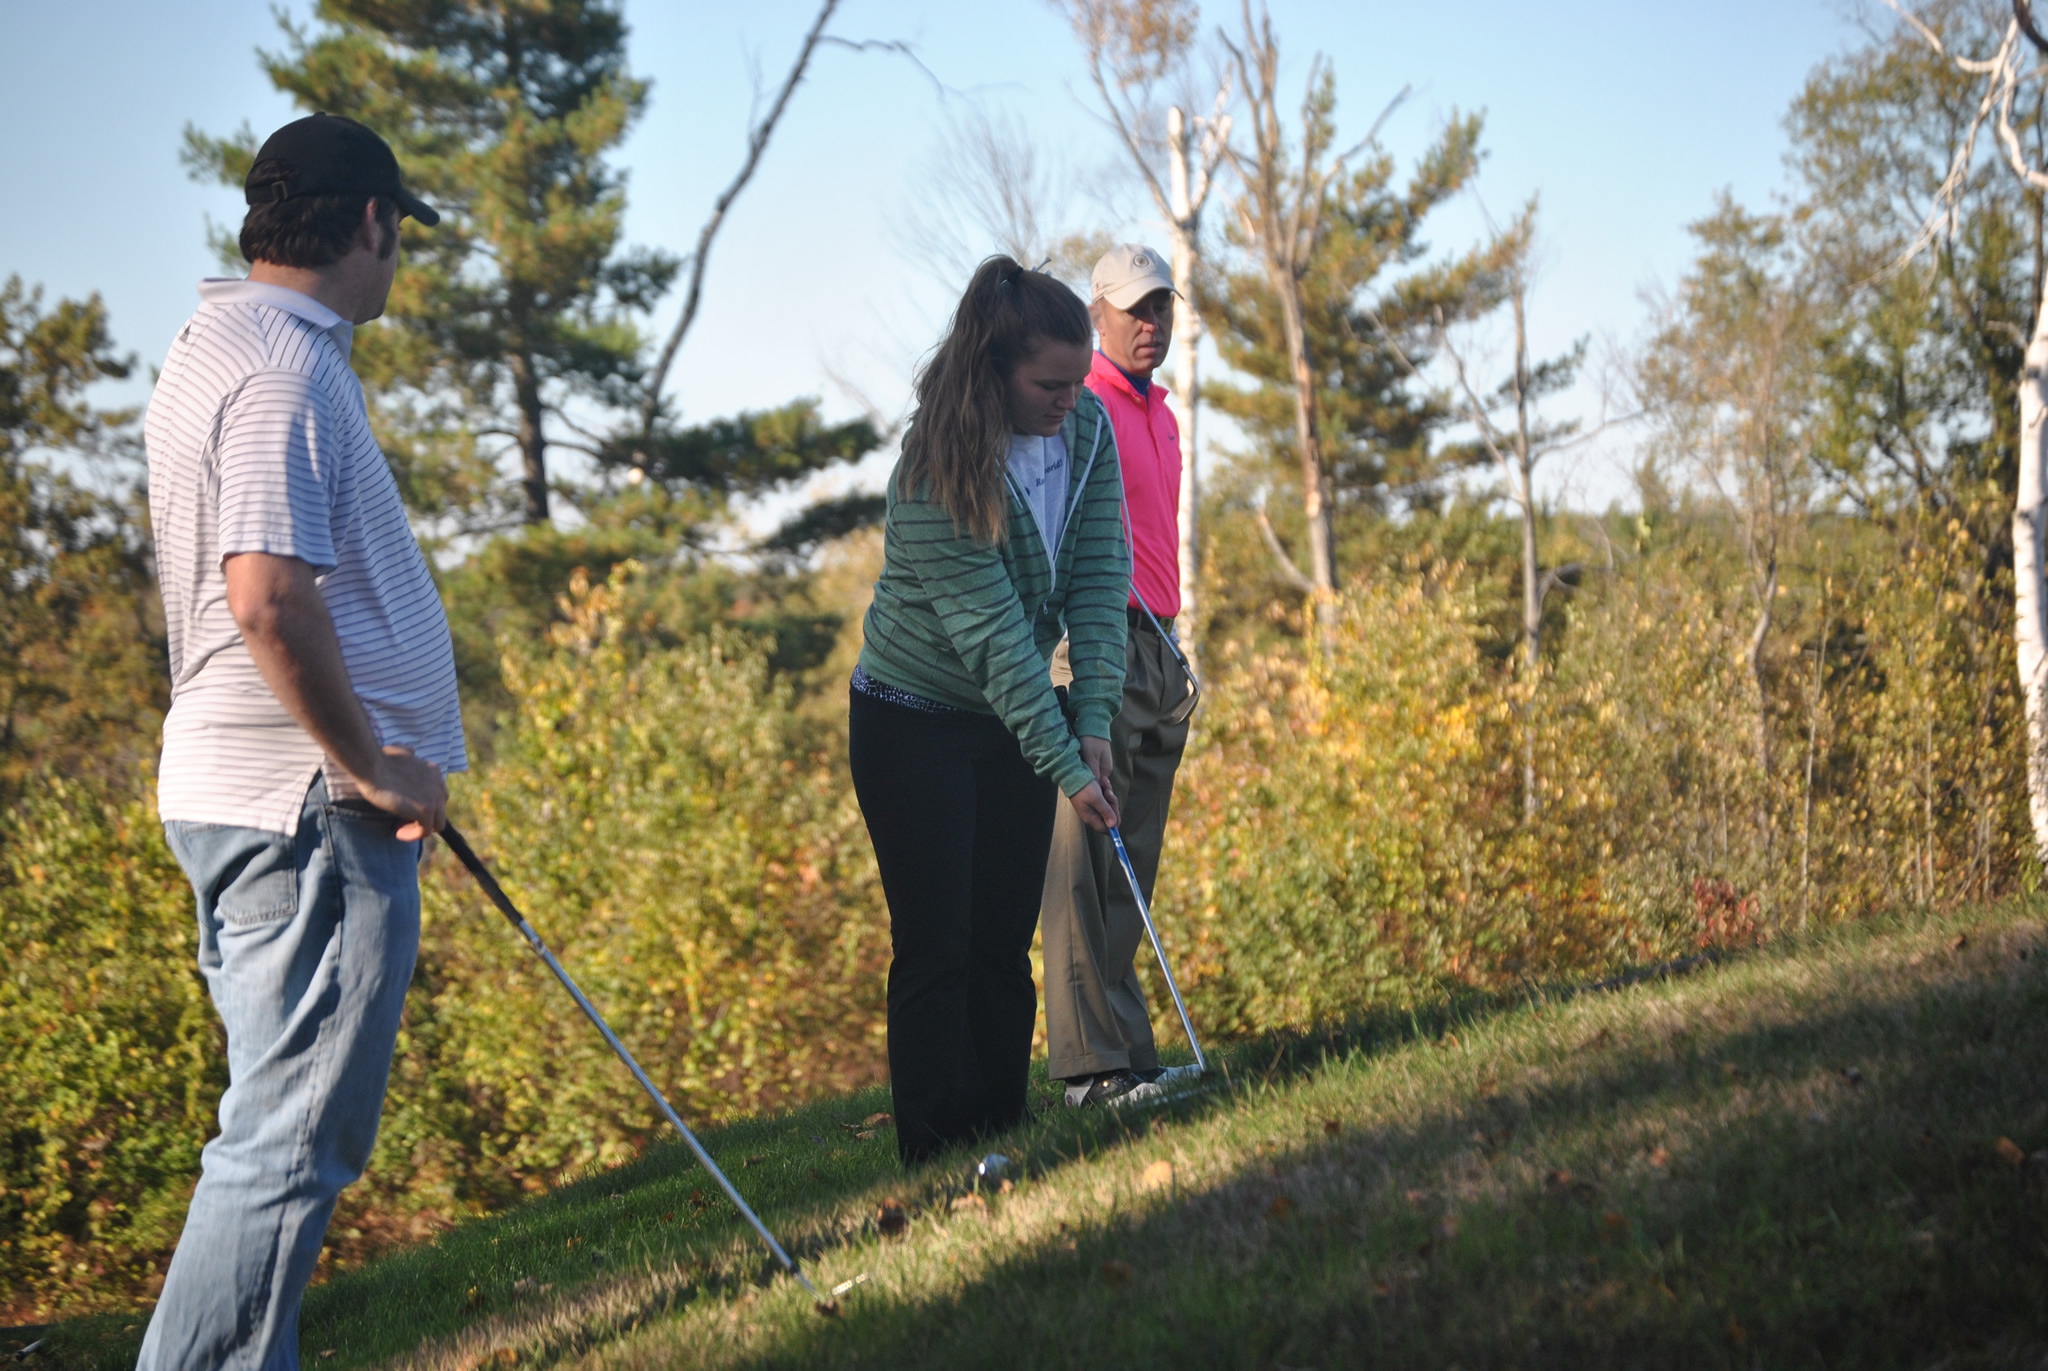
(466, 854)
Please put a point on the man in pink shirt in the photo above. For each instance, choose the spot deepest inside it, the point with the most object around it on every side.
(1098, 1028)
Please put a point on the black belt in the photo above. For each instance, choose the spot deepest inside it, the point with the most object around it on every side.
(1138, 618)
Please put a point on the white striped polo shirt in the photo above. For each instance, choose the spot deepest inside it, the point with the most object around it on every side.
(259, 441)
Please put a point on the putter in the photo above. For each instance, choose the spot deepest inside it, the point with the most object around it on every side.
(1145, 913)
(459, 845)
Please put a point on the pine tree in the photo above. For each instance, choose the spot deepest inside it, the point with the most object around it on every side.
(1366, 320)
(82, 684)
(514, 320)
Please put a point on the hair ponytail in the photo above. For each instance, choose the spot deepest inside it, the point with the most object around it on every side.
(959, 439)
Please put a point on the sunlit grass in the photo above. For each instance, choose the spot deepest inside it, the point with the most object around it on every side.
(1810, 1156)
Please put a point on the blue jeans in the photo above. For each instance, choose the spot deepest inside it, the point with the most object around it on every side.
(307, 945)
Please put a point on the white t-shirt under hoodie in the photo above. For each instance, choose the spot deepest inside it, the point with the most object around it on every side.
(1039, 472)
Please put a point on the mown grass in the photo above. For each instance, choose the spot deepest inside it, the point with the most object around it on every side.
(1829, 1155)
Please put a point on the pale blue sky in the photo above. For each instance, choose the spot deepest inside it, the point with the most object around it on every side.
(1626, 117)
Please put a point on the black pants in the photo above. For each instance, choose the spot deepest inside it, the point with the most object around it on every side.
(961, 826)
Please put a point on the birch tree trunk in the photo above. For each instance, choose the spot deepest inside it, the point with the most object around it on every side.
(1187, 332)
(1532, 626)
(1532, 584)
(2030, 574)
(1308, 440)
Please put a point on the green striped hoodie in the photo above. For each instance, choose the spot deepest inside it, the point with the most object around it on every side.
(974, 625)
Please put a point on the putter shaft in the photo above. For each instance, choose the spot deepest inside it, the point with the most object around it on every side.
(467, 855)
(1145, 913)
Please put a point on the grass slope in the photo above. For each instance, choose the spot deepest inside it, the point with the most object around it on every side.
(1824, 1155)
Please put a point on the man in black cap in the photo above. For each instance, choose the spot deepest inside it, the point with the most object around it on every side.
(313, 715)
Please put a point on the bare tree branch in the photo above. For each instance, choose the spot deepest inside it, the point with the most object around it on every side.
(757, 144)
(1288, 569)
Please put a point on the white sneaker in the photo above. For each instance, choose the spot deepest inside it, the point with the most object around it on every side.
(1143, 1093)
(1116, 1088)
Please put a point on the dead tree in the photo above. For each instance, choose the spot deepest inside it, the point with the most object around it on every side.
(758, 137)
(1281, 212)
(2002, 74)
(1508, 427)
(1131, 46)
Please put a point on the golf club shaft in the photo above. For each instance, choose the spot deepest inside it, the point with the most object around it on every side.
(1145, 913)
(461, 848)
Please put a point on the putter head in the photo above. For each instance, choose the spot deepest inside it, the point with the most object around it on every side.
(991, 1170)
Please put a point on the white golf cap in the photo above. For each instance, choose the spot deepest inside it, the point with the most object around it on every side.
(1127, 274)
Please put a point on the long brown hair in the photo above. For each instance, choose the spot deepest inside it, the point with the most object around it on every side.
(959, 439)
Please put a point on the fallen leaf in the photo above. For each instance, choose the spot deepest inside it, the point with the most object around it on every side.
(1565, 1185)
(507, 1356)
(1005, 1186)
(1600, 1039)
(1449, 1226)
(876, 1120)
(1331, 1127)
(2010, 1152)
(573, 1243)
(475, 1298)
(1737, 1334)
(968, 1204)
(1281, 1207)
(1959, 942)
(698, 1200)
(1117, 1274)
(1447, 1040)
(1157, 1176)
(754, 1160)
(524, 1285)
(1615, 1224)
(890, 1219)
(1660, 1157)
(1852, 1075)
(325, 1353)
(669, 1217)
(1414, 1196)
(863, 1135)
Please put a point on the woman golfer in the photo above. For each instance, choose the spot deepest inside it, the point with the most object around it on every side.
(1003, 532)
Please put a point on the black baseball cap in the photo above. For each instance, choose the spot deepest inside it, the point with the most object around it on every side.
(332, 155)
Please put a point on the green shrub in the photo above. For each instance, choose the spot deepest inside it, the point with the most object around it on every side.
(1344, 832)
(692, 852)
(110, 1054)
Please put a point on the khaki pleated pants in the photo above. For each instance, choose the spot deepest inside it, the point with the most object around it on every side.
(1095, 1014)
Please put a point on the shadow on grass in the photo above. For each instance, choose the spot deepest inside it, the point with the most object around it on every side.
(1831, 1194)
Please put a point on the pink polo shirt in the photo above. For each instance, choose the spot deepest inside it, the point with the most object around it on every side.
(1148, 449)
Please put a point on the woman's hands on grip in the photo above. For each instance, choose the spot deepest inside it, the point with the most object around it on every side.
(1095, 802)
